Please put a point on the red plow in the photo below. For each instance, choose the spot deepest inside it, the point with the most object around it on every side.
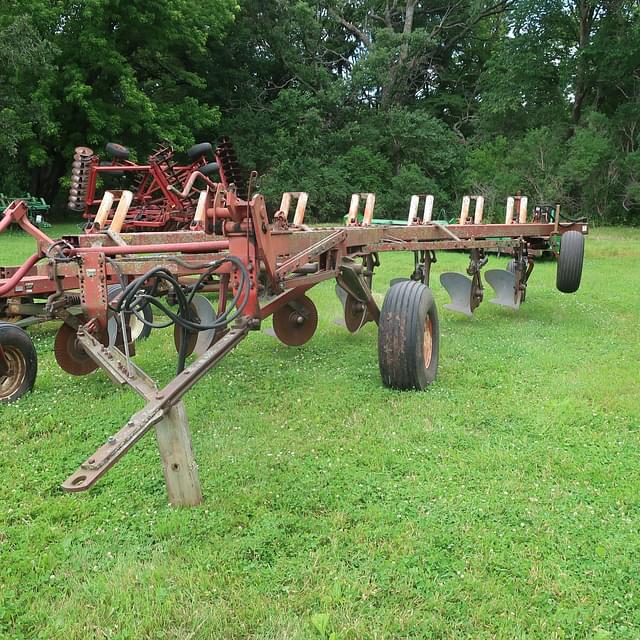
(150, 262)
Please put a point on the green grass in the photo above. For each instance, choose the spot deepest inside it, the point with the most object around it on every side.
(500, 503)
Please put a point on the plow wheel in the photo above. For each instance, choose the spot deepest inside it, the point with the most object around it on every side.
(296, 322)
(70, 355)
(569, 269)
(18, 363)
(408, 337)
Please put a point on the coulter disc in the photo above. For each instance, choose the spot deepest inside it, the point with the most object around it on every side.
(70, 355)
(198, 341)
(296, 322)
(355, 314)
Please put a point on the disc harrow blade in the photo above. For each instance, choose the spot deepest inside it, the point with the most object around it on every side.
(295, 323)
(70, 355)
(197, 341)
(207, 315)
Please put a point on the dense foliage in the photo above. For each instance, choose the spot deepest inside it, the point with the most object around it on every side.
(391, 96)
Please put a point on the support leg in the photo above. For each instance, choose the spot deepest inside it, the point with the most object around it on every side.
(178, 462)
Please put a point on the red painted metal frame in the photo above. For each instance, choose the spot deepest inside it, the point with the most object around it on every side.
(91, 262)
(158, 202)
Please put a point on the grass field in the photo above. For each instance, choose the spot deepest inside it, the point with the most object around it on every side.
(503, 502)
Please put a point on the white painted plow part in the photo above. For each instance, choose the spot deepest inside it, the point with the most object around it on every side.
(121, 211)
(103, 210)
(477, 214)
(415, 204)
(522, 214)
(369, 206)
(201, 209)
(427, 214)
(511, 203)
(301, 206)
(353, 208)
(464, 211)
(413, 209)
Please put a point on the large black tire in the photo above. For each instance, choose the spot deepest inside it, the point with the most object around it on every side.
(199, 150)
(22, 360)
(408, 336)
(569, 270)
(208, 169)
(115, 150)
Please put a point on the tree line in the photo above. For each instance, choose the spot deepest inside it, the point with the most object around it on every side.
(396, 97)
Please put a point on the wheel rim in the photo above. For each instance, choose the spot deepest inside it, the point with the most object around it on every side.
(17, 364)
(427, 348)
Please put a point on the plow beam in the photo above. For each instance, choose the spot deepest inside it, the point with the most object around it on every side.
(164, 410)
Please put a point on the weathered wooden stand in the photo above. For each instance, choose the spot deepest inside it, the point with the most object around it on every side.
(164, 410)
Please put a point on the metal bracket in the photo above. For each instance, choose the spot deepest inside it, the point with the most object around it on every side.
(352, 280)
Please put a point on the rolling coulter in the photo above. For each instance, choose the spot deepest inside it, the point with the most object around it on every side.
(102, 283)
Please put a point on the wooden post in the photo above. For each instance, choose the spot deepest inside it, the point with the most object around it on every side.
(178, 462)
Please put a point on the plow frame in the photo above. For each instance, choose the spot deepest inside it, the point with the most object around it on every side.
(282, 264)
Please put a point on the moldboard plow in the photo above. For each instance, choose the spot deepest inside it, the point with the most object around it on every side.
(107, 286)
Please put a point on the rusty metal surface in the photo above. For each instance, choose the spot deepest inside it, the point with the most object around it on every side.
(295, 322)
(235, 251)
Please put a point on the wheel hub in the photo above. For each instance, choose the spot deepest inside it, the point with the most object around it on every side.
(13, 369)
(427, 348)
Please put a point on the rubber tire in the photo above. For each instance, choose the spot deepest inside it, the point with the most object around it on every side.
(16, 337)
(199, 150)
(113, 290)
(115, 150)
(570, 260)
(208, 169)
(405, 310)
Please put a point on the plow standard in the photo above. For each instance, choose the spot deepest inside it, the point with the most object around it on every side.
(110, 285)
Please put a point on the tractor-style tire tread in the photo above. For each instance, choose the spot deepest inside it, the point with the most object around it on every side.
(403, 320)
(199, 150)
(115, 150)
(570, 261)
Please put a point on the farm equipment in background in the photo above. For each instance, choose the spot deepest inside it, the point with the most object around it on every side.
(98, 283)
(37, 208)
(158, 196)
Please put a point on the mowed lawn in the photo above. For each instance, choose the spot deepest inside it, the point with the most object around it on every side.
(503, 502)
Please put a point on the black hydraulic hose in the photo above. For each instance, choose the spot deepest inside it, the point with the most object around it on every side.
(138, 294)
